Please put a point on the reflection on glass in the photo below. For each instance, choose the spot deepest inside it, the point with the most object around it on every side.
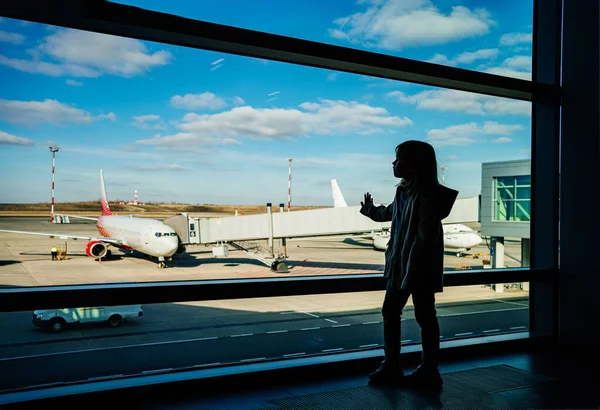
(196, 335)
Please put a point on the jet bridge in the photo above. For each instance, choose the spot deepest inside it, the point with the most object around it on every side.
(241, 231)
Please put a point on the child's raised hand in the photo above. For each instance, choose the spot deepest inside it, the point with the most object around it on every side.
(368, 199)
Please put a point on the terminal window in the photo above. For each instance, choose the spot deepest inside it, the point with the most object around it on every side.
(512, 198)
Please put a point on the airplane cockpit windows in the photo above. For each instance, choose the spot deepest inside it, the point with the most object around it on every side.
(160, 234)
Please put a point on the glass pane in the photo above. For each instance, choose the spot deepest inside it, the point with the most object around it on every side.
(524, 193)
(198, 335)
(523, 180)
(523, 211)
(503, 211)
(215, 146)
(488, 36)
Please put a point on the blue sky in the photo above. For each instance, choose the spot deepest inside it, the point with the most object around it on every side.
(194, 126)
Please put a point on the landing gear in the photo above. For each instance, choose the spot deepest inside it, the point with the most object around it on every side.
(161, 262)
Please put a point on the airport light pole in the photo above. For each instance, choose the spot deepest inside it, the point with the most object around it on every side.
(289, 160)
(53, 150)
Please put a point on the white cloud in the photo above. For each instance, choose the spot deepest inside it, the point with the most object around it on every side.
(87, 54)
(323, 118)
(110, 116)
(9, 139)
(470, 133)
(186, 139)
(73, 83)
(494, 128)
(14, 38)
(149, 121)
(47, 111)
(170, 167)
(509, 72)
(461, 101)
(452, 157)
(502, 140)
(198, 101)
(396, 24)
(467, 57)
(239, 101)
(510, 39)
(332, 77)
(519, 62)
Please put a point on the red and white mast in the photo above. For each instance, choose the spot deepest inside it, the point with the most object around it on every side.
(289, 160)
(53, 150)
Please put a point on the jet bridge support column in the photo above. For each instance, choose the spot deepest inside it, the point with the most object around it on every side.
(270, 217)
(283, 240)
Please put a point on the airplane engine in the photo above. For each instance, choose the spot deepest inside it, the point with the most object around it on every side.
(96, 249)
(381, 242)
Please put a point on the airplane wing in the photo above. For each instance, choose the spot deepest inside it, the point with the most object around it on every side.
(113, 241)
(80, 217)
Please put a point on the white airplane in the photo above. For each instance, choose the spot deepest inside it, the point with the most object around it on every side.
(149, 236)
(456, 236)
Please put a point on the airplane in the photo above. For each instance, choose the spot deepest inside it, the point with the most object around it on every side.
(148, 236)
(456, 236)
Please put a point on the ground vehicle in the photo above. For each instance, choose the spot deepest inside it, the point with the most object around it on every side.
(57, 319)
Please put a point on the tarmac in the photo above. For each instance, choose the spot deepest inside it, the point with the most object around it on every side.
(205, 334)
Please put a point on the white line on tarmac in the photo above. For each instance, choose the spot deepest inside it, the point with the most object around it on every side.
(371, 345)
(405, 341)
(332, 321)
(310, 328)
(491, 330)
(207, 364)
(310, 314)
(157, 370)
(253, 359)
(294, 354)
(243, 334)
(518, 327)
(333, 350)
(346, 325)
(372, 323)
(276, 331)
(463, 334)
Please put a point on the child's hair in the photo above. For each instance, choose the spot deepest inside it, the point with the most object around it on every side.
(421, 157)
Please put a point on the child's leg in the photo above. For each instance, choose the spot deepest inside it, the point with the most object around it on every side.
(393, 304)
(426, 316)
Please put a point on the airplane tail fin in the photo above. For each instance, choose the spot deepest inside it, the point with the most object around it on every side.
(338, 198)
(103, 201)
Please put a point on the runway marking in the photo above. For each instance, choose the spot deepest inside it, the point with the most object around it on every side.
(518, 327)
(508, 302)
(463, 334)
(276, 331)
(483, 311)
(371, 345)
(157, 371)
(372, 323)
(346, 325)
(294, 354)
(207, 338)
(207, 364)
(333, 350)
(491, 330)
(243, 334)
(254, 359)
(310, 314)
(106, 377)
(310, 328)
(332, 321)
(405, 341)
